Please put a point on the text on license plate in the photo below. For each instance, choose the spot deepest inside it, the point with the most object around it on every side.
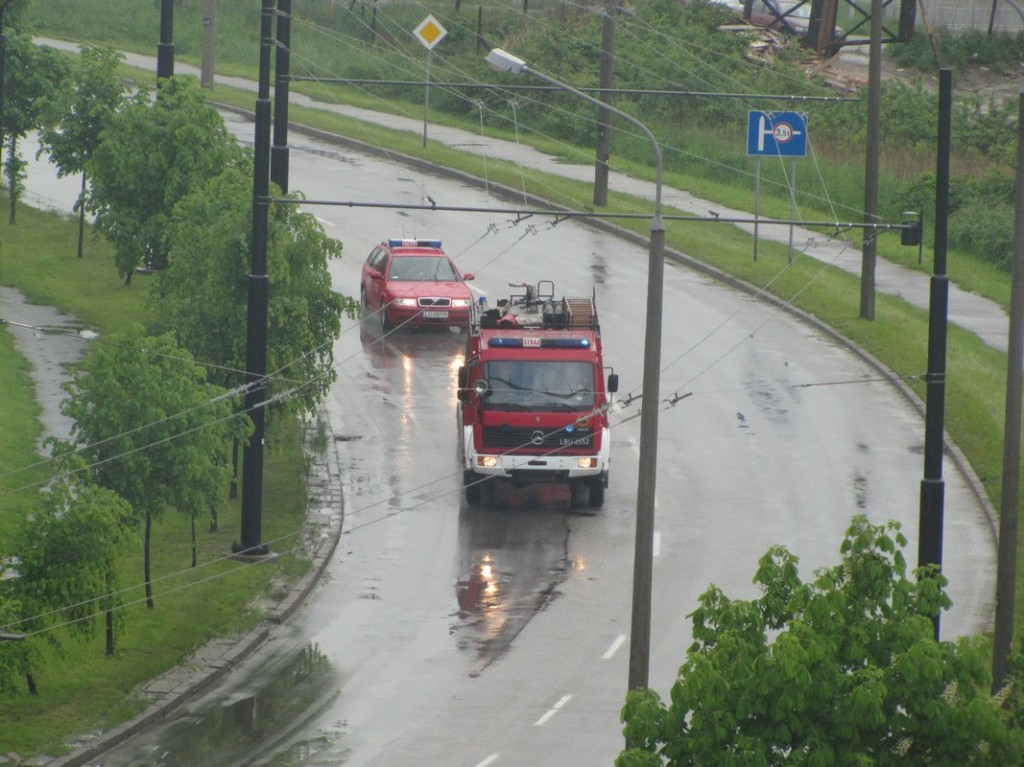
(435, 315)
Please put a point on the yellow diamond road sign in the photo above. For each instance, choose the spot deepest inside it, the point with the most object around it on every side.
(430, 32)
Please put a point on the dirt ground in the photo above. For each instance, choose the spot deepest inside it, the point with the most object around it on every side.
(848, 71)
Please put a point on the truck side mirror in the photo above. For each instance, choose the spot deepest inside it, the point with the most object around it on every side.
(462, 393)
(613, 383)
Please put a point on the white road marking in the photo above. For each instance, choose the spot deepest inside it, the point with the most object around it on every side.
(619, 640)
(552, 711)
(488, 760)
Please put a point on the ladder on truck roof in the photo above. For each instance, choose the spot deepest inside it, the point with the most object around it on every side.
(581, 313)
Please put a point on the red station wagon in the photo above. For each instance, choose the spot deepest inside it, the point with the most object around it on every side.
(412, 283)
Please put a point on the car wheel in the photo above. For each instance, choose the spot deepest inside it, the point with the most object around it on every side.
(385, 326)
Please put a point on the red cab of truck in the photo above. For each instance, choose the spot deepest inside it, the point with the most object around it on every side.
(534, 396)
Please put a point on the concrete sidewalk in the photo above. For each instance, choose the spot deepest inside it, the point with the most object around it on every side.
(979, 315)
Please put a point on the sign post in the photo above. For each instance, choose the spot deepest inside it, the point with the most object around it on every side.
(776, 134)
(430, 33)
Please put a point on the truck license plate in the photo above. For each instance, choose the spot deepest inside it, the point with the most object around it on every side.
(435, 315)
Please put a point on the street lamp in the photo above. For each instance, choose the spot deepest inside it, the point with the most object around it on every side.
(640, 637)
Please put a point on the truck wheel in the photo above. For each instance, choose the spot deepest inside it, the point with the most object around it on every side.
(597, 493)
(474, 494)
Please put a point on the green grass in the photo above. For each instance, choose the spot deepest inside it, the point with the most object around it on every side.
(83, 691)
(21, 430)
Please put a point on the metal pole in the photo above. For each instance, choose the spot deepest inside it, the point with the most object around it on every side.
(871, 161)
(757, 200)
(426, 100)
(1006, 571)
(282, 70)
(792, 207)
(932, 487)
(3, 69)
(165, 50)
(207, 68)
(604, 130)
(256, 327)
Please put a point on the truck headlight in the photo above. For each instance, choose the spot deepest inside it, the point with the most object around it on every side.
(586, 463)
(487, 461)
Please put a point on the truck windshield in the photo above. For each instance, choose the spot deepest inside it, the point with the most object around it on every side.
(529, 385)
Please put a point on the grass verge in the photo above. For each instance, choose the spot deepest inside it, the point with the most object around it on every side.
(81, 691)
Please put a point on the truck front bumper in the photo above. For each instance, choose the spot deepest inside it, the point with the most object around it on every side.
(526, 469)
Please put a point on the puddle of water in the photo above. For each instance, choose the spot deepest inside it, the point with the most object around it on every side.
(51, 342)
(257, 719)
(512, 563)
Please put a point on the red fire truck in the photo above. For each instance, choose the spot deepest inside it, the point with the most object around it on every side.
(533, 395)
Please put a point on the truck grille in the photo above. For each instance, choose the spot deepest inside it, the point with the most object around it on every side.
(512, 437)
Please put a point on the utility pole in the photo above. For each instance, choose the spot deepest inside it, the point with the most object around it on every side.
(870, 247)
(1006, 570)
(929, 547)
(256, 328)
(3, 67)
(165, 50)
(604, 115)
(207, 67)
(282, 67)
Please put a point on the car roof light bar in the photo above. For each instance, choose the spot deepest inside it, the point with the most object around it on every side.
(398, 242)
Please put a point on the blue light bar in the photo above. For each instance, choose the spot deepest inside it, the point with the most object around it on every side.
(398, 242)
(505, 342)
(565, 343)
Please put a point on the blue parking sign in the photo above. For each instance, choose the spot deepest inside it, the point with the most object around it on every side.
(776, 134)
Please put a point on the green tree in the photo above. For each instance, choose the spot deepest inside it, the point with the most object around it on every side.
(203, 294)
(65, 552)
(16, 655)
(844, 670)
(151, 427)
(74, 117)
(151, 156)
(33, 75)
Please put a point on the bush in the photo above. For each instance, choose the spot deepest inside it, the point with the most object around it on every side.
(985, 229)
(968, 48)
